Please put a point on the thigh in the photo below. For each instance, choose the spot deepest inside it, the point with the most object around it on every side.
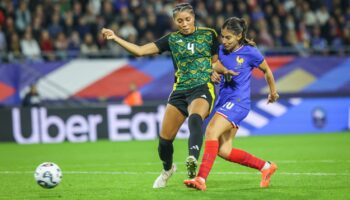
(199, 106)
(172, 121)
(201, 100)
(178, 100)
(217, 126)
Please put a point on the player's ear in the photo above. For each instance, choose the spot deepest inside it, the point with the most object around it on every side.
(239, 36)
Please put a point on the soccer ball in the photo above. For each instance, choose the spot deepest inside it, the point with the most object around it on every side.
(48, 175)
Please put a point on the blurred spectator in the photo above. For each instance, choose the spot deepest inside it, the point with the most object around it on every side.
(32, 98)
(23, 17)
(134, 97)
(77, 12)
(264, 39)
(46, 46)
(9, 29)
(141, 26)
(3, 44)
(274, 23)
(309, 15)
(88, 47)
(2, 17)
(30, 47)
(107, 12)
(74, 44)
(37, 28)
(95, 6)
(90, 16)
(346, 36)
(14, 48)
(127, 29)
(318, 43)
(115, 49)
(61, 45)
(68, 25)
(101, 42)
(201, 11)
(83, 28)
(322, 15)
(55, 26)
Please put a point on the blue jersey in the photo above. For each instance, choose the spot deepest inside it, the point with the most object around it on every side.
(242, 60)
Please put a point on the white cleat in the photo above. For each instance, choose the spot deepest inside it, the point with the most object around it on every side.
(163, 178)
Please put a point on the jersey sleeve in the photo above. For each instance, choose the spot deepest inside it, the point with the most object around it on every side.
(216, 43)
(257, 57)
(163, 43)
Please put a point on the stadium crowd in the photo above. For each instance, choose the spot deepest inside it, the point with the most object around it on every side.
(61, 29)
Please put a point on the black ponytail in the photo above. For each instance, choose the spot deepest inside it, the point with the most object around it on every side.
(238, 26)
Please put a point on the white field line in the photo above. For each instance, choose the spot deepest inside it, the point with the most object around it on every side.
(216, 162)
(182, 163)
(156, 173)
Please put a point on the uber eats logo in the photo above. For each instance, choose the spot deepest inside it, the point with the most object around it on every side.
(115, 122)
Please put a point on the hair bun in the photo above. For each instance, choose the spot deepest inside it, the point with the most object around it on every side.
(242, 21)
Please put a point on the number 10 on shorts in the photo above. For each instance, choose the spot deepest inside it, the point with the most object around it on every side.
(228, 105)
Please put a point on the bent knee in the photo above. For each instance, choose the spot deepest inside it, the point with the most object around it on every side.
(211, 134)
(224, 151)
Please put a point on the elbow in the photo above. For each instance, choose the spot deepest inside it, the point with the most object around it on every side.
(140, 51)
(137, 54)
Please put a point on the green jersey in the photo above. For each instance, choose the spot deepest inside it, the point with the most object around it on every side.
(191, 56)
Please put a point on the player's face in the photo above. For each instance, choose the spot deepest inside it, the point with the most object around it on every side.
(185, 22)
(229, 39)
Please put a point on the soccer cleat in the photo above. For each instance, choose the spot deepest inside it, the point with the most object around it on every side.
(191, 165)
(196, 183)
(164, 176)
(266, 175)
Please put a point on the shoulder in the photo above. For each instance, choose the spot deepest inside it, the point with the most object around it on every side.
(170, 34)
(255, 55)
(209, 30)
(252, 50)
(221, 48)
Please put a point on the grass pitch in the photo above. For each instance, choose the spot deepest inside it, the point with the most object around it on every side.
(315, 166)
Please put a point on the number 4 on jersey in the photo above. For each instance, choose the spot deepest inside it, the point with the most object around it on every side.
(190, 46)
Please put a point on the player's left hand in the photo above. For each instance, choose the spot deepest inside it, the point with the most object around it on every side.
(273, 97)
(215, 77)
(231, 73)
(228, 75)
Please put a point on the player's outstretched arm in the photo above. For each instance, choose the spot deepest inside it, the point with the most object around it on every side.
(136, 50)
(273, 95)
(220, 68)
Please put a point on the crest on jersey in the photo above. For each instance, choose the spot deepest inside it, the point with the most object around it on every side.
(239, 60)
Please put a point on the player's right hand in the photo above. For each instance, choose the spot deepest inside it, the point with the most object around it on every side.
(108, 34)
(230, 72)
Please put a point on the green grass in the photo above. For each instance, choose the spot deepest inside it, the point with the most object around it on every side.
(310, 167)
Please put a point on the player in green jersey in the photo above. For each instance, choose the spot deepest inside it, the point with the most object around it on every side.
(193, 50)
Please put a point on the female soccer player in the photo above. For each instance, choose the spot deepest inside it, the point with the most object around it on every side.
(239, 54)
(193, 49)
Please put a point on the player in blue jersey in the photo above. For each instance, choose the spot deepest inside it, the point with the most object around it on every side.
(239, 54)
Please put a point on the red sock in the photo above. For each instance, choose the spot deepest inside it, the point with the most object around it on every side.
(210, 152)
(245, 158)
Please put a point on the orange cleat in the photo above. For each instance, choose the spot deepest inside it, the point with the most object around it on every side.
(266, 175)
(196, 183)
